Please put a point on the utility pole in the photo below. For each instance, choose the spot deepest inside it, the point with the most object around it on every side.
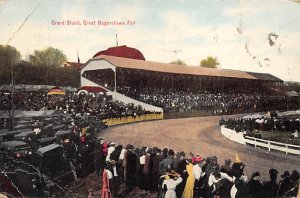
(12, 95)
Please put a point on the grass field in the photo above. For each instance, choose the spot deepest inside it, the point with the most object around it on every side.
(280, 136)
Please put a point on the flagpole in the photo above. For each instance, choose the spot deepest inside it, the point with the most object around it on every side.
(78, 59)
(115, 92)
(117, 39)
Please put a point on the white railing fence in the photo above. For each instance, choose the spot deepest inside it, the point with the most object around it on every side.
(271, 145)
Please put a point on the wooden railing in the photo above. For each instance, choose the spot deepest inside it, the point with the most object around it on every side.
(271, 145)
(130, 119)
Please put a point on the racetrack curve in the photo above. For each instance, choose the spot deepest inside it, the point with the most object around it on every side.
(200, 135)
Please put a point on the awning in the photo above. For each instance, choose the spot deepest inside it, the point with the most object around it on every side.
(292, 94)
(56, 91)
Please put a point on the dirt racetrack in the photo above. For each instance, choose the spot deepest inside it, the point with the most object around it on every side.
(200, 135)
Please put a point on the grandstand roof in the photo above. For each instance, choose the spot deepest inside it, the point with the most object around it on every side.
(180, 69)
(122, 51)
(264, 76)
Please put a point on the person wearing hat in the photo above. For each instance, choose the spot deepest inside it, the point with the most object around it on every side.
(130, 165)
(115, 183)
(290, 185)
(167, 161)
(255, 186)
(270, 188)
(171, 181)
(146, 169)
(189, 186)
(293, 190)
(217, 180)
(239, 188)
(237, 169)
(198, 174)
(284, 183)
(110, 149)
(98, 158)
(107, 177)
(226, 167)
(155, 158)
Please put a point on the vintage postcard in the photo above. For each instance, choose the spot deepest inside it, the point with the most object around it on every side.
(137, 98)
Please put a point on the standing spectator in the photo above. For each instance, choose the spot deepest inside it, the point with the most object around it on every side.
(226, 167)
(131, 161)
(284, 183)
(197, 171)
(181, 169)
(290, 185)
(114, 182)
(240, 188)
(146, 169)
(98, 158)
(155, 158)
(121, 159)
(170, 182)
(167, 161)
(107, 182)
(237, 169)
(142, 156)
(271, 187)
(189, 186)
(110, 149)
(255, 186)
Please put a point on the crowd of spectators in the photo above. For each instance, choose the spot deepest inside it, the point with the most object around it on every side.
(172, 100)
(173, 174)
(71, 103)
(270, 123)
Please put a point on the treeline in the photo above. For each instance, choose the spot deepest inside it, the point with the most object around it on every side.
(43, 67)
(25, 73)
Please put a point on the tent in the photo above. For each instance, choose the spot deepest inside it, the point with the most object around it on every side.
(29, 114)
(292, 94)
(56, 91)
(92, 89)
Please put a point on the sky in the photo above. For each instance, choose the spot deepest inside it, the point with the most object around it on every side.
(237, 32)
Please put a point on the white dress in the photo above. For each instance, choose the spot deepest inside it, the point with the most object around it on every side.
(171, 186)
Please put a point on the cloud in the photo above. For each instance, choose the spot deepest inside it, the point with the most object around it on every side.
(177, 30)
(238, 11)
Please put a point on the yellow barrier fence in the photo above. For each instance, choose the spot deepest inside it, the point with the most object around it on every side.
(130, 119)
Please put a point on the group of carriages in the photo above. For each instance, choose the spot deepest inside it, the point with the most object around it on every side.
(47, 153)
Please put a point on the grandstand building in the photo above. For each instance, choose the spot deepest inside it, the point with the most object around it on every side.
(120, 70)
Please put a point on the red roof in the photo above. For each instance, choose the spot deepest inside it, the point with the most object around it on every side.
(93, 89)
(122, 51)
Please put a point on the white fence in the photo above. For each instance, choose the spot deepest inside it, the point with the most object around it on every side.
(233, 135)
(271, 145)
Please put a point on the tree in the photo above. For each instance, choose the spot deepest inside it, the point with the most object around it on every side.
(210, 62)
(49, 57)
(9, 56)
(178, 62)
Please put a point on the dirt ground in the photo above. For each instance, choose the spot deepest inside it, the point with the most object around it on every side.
(200, 135)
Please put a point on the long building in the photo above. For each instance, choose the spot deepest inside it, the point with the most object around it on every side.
(120, 67)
